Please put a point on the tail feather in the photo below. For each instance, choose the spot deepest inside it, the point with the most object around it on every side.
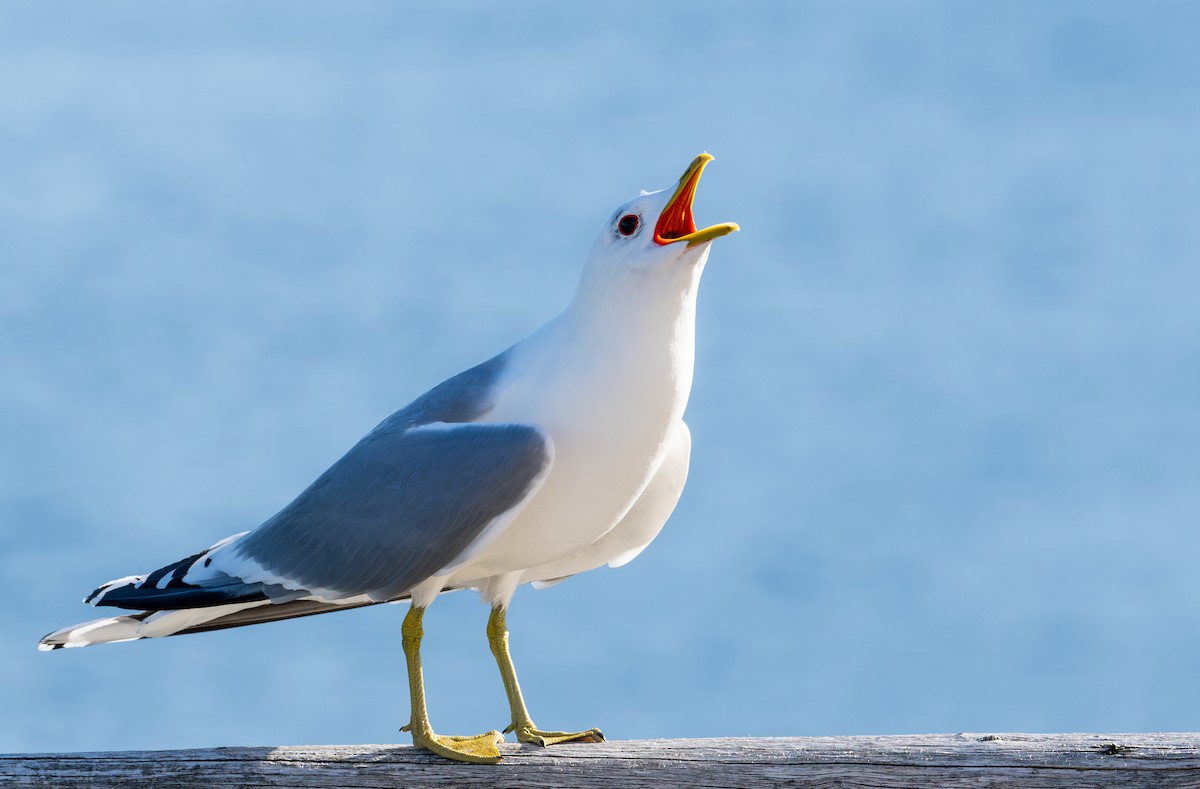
(254, 615)
(158, 624)
(110, 630)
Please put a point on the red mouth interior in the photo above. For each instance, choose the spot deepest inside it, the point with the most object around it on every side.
(676, 220)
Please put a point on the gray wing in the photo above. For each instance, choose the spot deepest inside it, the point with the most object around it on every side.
(399, 506)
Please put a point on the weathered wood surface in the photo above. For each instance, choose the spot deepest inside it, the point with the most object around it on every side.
(1129, 761)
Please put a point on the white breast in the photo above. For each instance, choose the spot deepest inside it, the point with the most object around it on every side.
(608, 389)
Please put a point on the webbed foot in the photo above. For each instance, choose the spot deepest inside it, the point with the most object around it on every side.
(478, 749)
(530, 733)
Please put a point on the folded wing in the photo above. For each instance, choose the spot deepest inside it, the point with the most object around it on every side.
(403, 503)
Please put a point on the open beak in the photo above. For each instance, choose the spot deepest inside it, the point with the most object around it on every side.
(676, 222)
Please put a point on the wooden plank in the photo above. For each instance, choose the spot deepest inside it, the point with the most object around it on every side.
(1023, 761)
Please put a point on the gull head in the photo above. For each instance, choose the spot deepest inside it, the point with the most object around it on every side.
(655, 233)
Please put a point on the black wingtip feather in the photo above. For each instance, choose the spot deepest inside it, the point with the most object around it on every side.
(143, 599)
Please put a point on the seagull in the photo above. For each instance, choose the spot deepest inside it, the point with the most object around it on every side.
(563, 453)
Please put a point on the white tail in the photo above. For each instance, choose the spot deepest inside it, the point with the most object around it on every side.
(130, 627)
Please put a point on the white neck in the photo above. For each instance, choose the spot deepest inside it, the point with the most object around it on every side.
(640, 326)
(623, 349)
(644, 298)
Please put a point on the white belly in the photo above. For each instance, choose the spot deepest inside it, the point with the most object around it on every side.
(611, 420)
(640, 525)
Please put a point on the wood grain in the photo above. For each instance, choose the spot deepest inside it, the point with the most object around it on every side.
(1129, 761)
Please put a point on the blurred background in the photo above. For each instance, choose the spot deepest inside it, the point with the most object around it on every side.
(946, 418)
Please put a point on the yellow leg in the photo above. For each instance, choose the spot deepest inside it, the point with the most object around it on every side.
(522, 724)
(480, 749)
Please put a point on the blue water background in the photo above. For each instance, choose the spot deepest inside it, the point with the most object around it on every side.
(946, 414)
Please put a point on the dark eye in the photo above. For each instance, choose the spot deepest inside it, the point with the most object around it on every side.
(628, 224)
